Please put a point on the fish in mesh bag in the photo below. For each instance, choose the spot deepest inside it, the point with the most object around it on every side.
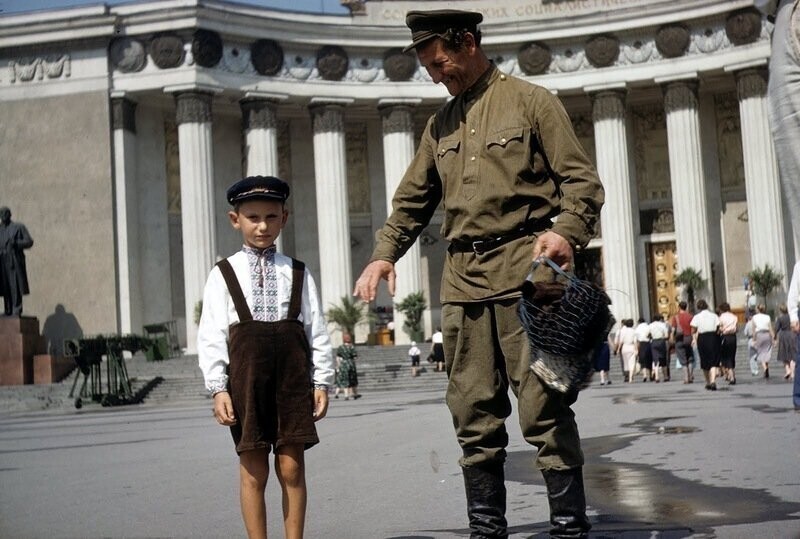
(565, 323)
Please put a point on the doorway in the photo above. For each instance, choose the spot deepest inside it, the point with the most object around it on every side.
(662, 266)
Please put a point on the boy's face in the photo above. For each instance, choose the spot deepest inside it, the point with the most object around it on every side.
(260, 222)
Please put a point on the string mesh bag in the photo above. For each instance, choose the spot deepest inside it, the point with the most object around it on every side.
(565, 323)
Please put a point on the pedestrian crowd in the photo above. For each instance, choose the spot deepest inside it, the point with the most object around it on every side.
(704, 338)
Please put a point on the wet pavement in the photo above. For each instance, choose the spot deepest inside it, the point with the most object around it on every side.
(662, 460)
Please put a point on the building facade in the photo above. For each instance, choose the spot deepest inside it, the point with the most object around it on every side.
(122, 126)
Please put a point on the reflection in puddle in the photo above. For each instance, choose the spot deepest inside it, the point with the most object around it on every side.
(641, 496)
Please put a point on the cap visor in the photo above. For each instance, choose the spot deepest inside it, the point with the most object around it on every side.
(414, 44)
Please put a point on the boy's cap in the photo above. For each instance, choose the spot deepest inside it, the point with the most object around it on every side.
(426, 25)
(258, 187)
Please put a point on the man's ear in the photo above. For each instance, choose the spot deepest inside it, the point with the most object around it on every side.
(469, 42)
(285, 217)
(234, 218)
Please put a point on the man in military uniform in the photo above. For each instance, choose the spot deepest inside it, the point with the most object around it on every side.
(14, 237)
(514, 183)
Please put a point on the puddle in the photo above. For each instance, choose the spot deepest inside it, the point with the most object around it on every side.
(631, 496)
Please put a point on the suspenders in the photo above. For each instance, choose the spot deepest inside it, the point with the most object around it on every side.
(298, 274)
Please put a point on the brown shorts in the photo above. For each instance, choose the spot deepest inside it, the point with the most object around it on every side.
(270, 385)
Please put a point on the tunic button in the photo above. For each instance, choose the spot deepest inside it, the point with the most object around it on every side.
(472, 131)
(502, 141)
(472, 158)
(502, 77)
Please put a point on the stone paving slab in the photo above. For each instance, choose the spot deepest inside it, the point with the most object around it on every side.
(662, 460)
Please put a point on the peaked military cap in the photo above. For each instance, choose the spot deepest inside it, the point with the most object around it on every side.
(258, 187)
(426, 25)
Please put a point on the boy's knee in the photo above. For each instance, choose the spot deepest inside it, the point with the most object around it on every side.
(254, 469)
(290, 467)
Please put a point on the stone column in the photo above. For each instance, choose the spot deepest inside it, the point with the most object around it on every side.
(398, 150)
(197, 200)
(767, 245)
(260, 125)
(619, 218)
(687, 179)
(123, 122)
(333, 220)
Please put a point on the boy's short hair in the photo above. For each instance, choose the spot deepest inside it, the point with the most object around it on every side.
(258, 188)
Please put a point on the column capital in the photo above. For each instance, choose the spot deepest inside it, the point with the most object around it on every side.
(193, 107)
(123, 114)
(608, 105)
(396, 119)
(259, 113)
(327, 117)
(751, 83)
(680, 95)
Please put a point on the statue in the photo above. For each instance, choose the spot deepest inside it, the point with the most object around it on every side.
(14, 238)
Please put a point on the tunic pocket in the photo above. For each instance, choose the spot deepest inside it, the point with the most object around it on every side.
(508, 150)
(447, 154)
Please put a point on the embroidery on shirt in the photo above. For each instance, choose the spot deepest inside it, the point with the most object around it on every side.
(264, 281)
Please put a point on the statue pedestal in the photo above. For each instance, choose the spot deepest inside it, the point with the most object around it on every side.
(19, 343)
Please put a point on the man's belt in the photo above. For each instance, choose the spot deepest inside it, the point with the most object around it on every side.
(484, 245)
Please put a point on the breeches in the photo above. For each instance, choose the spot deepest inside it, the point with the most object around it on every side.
(784, 102)
(486, 352)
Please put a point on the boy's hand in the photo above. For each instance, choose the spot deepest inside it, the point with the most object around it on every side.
(223, 409)
(320, 404)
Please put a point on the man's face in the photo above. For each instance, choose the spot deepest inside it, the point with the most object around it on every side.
(451, 68)
(5, 216)
(260, 222)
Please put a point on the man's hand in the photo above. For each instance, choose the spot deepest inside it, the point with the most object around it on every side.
(796, 326)
(223, 409)
(320, 403)
(555, 247)
(367, 284)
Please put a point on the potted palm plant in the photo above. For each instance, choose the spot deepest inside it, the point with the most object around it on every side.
(764, 281)
(692, 281)
(412, 307)
(348, 314)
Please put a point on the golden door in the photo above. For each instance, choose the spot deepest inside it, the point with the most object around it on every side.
(662, 264)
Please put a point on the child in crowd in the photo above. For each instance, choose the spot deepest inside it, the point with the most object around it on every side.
(265, 354)
(413, 354)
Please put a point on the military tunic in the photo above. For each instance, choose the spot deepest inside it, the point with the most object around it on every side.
(482, 156)
(487, 157)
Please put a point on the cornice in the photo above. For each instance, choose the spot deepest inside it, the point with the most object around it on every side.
(56, 27)
(366, 46)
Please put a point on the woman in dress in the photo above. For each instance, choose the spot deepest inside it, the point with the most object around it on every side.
(729, 323)
(763, 336)
(346, 373)
(705, 336)
(626, 346)
(659, 331)
(787, 343)
(645, 354)
(437, 351)
(601, 361)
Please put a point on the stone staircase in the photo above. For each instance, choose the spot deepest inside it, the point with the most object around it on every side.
(178, 381)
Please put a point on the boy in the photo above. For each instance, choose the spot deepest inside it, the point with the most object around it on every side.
(262, 345)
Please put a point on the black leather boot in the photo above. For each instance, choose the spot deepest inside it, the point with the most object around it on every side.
(486, 500)
(567, 503)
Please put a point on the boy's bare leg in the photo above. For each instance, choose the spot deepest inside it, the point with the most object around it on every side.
(253, 473)
(290, 469)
